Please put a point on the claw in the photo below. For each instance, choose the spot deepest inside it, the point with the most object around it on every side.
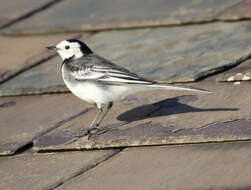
(81, 133)
(96, 131)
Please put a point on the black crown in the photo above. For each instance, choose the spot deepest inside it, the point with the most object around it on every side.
(84, 48)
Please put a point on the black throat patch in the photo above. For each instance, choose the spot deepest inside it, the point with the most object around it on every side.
(68, 59)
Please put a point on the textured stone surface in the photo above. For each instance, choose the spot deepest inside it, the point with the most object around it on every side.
(177, 54)
(24, 118)
(240, 73)
(43, 78)
(45, 171)
(237, 12)
(11, 11)
(224, 166)
(20, 53)
(75, 15)
(163, 117)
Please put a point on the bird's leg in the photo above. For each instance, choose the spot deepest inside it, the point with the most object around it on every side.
(99, 117)
(92, 126)
(109, 106)
(100, 111)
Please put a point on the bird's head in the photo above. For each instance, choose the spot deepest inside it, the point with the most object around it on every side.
(71, 48)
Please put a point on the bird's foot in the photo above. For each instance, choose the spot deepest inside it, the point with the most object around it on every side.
(96, 131)
(93, 130)
(87, 132)
(82, 132)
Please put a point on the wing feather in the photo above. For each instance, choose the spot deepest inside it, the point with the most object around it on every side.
(108, 74)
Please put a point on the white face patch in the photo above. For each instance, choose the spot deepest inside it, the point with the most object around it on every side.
(68, 49)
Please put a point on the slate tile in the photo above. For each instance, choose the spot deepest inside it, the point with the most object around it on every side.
(46, 171)
(240, 73)
(238, 11)
(11, 11)
(162, 117)
(44, 78)
(92, 15)
(26, 117)
(185, 167)
(177, 54)
(20, 53)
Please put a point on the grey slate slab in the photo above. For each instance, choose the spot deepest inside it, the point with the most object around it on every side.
(30, 51)
(162, 117)
(220, 166)
(44, 78)
(177, 54)
(46, 171)
(91, 15)
(24, 118)
(21, 53)
(11, 11)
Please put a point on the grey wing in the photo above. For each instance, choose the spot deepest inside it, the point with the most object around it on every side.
(105, 71)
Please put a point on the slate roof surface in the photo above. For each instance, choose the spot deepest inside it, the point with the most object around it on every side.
(151, 140)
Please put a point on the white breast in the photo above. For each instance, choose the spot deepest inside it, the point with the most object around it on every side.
(83, 90)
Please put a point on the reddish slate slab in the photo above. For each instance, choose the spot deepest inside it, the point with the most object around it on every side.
(163, 117)
(11, 11)
(93, 15)
(240, 73)
(24, 118)
(184, 167)
(237, 12)
(20, 53)
(46, 171)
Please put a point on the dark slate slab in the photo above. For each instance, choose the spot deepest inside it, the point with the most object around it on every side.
(240, 73)
(92, 15)
(161, 117)
(177, 54)
(11, 11)
(215, 166)
(46, 171)
(24, 118)
(21, 53)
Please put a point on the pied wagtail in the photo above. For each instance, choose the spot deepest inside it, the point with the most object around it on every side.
(98, 81)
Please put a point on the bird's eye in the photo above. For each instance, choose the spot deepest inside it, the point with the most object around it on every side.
(67, 47)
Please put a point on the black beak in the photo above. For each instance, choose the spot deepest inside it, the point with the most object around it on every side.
(51, 47)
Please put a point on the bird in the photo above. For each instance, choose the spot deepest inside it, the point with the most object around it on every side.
(99, 81)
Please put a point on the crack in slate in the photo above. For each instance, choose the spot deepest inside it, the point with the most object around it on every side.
(29, 14)
(207, 125)
(84, 169)
(214, 71)
(62, 122)
(29, 144)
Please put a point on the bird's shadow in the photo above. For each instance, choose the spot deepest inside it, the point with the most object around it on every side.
(166, 107)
